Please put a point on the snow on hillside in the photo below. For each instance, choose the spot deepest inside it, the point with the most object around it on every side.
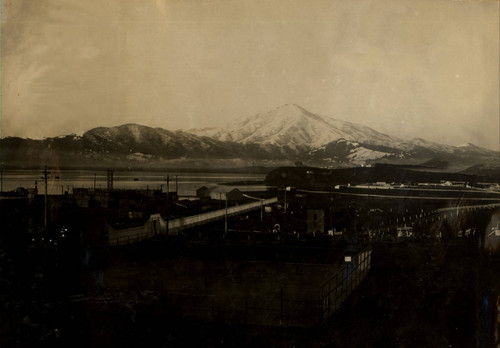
(281, 136)
(431, 145)
(361, 155)
(291, 125)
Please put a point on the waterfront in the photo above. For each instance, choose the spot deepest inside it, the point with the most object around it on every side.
(60, 181)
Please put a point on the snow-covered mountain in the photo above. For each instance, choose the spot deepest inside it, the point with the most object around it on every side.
(283, 136)
(322, 140)
(293, 126)
(134, 138)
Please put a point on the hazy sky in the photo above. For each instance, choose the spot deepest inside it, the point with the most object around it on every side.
(409, 68)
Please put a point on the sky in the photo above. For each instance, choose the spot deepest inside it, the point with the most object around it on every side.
(408, 68)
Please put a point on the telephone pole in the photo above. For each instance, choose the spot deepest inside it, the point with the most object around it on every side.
(225, 220)
(176, 186)
(261, 211)
(168, 205)
(109, 176)
(45, 205)
(168, 187)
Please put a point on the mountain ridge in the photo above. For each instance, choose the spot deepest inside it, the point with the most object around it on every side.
(293, 125)
(284, 135)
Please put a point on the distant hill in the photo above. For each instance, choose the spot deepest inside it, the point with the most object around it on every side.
(280, 137)
(325, 141)
(136, 146)
(487, 169)
(322, 178)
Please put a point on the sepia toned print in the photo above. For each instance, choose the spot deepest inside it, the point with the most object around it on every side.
(242, 173)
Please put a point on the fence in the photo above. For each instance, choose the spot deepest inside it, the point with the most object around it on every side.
(255, 293)
(200, 219)
(156, 225)
(393, 227)
(281, 306)
(128, 235)
(335, 290)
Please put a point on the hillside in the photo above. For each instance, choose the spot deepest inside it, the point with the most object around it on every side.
(280, 137)
(292, 126)
(325, 141)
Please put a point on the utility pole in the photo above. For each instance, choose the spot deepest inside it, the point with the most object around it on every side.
(261, 211)
(176, 186)
(109, 176)
(225, 220)
(168, 187)
(168, 208)
(45, 205)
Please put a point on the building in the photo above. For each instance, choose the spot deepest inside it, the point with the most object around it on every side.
(315, 221)
(405, 231)
(234, 195)
(203, 192)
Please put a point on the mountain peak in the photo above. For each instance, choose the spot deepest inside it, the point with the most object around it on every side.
(292, 126)
(292, 107)
(289, 111)
(285, 134)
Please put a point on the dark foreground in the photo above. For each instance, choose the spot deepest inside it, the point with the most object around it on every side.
(417, 294)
